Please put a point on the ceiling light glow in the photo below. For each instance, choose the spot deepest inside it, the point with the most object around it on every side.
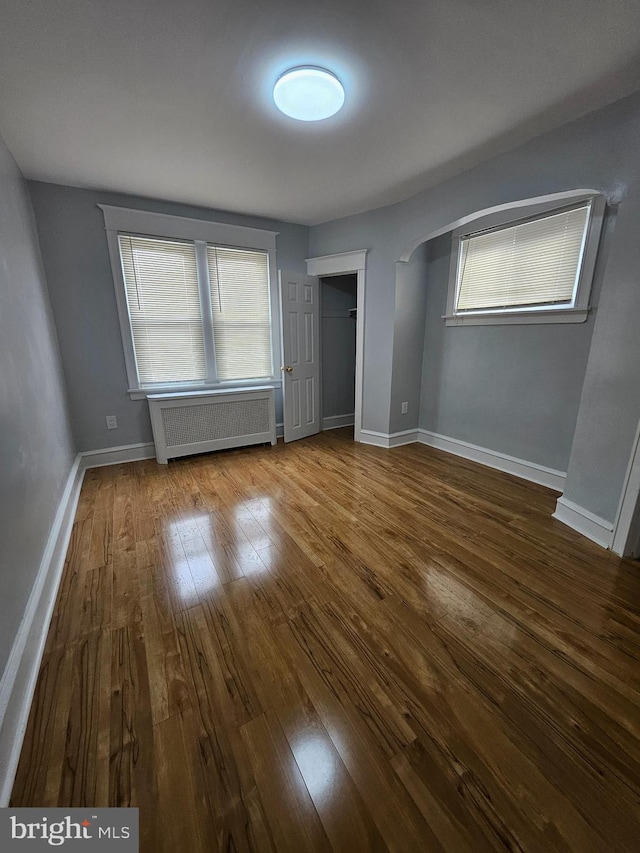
(308, 93)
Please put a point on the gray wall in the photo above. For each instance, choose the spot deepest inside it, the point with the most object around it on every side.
(408, 340)
(598, 151)
(76, 261)
(370, 231)
(515, 389)
(610, 403)
(36, 450)
(338, 345)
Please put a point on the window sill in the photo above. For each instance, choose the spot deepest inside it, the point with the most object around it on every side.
(143, 393)
(523, 318)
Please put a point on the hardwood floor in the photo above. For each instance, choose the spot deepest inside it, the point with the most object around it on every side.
(327, 646)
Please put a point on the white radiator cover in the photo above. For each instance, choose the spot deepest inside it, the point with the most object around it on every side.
(199, 421)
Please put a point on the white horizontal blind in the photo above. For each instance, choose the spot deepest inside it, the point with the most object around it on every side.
(239, 282)
(161, 284)
(532, 263)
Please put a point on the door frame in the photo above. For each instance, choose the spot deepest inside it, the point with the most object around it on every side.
(345, 263)
(626, 532)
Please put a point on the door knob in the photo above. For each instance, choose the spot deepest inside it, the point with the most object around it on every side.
(287, 369)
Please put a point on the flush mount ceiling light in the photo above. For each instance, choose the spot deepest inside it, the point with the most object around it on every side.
(308, 93)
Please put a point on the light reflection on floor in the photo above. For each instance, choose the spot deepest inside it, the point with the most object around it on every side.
(192, 568)
(463, 605)
(317, 763)
(254, 519)
(194, 545)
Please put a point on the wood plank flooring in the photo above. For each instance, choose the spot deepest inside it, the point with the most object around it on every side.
(325, 646)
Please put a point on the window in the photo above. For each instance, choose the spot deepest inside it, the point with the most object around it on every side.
(241, 314)
(194, 313)
(161, 282)
(534, 270)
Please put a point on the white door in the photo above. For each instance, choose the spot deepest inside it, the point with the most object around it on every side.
(300, 324)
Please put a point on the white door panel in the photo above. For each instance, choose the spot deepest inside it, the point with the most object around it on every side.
(299, 305)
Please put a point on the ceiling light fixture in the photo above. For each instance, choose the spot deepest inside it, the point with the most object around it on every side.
(308, 93)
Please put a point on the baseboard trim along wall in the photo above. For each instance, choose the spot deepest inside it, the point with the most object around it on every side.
(581, 520)
(531, 471)
(116, 455)
(19, 678)
(492, 458)
(337, 421)
(129, 453)
(389, 439)
(599, 530)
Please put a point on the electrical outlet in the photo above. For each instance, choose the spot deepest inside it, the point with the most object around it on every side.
(112, 422)
(405, 408)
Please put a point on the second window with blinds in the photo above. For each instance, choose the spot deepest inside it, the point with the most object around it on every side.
(199, 313)
(535, 269)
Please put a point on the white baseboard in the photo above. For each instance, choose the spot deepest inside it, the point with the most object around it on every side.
(510, 464)
(492, 458)
(116, 455)
(407, 436)
(19, 678)
(128, 453)
(337, 421)
(388, 439)
(377, 439)
(597, 529)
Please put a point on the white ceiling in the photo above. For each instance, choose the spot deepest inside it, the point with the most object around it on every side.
(171, 98)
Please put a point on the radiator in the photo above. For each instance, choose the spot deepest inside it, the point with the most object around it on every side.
(196, 422)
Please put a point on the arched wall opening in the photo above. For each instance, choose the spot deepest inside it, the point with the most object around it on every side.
(504, 395)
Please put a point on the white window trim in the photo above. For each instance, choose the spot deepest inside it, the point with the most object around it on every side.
(200, 231)
(578, 311)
